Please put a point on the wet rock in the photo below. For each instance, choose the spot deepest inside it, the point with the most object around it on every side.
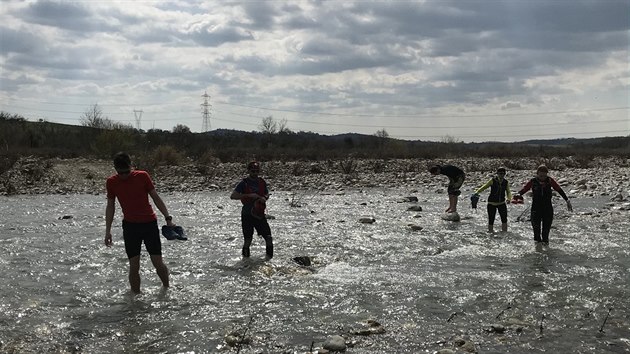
(303, 260)
(235, 338)
(335, 343)
(446, 351)
(617, 198)
(451, 217)
(496, 328)
(65, 217)
(414, 208)
(410, 199)
(367, 220)
(231, 340)
(370, 327)
(469, 346)
(415, 227)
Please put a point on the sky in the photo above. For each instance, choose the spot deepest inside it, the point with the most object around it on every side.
(436, 70)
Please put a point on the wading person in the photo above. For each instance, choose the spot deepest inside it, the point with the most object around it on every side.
(253, 193)
(499, 196)
(456, 178)
(132, 188)
(542, 208)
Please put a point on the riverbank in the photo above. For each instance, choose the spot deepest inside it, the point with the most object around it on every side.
(603, 176)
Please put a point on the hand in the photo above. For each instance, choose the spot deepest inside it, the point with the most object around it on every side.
(108, 239)
(170, 223)
(569, 206)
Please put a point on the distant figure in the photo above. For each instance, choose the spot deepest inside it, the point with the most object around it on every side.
(253, 193)
(133, 188)
(456, 178)
(542, 209)
(499, 195)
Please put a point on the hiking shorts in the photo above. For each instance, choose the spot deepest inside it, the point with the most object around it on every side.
(455, 184)
(136, 233)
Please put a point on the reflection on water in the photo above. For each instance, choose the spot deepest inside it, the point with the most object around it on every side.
(63, 291)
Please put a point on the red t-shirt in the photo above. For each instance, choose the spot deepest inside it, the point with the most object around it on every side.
(133, 195)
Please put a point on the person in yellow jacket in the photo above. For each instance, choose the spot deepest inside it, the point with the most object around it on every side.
(499, 196)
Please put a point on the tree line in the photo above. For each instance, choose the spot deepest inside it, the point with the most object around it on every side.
(100, 137)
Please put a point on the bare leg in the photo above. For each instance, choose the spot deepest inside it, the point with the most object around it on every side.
(134, 274)
(452, 202)
(161, 269)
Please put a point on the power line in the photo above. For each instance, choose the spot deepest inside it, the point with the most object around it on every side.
(347, 124)
(414, 115)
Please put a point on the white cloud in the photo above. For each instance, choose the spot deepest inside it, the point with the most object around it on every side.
(435, 65)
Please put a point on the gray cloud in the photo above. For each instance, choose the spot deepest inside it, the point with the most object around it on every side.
(71, 16)
(379, 56)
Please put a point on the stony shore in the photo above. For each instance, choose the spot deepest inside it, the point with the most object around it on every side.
(604, 176)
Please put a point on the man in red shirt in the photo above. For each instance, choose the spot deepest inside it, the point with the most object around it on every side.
(133, 188)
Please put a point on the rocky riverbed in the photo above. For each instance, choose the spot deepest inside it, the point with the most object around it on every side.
(603, 176)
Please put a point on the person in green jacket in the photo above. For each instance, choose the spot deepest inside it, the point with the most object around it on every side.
(499, 195)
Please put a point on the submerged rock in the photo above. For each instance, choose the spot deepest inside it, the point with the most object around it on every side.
(335, 343)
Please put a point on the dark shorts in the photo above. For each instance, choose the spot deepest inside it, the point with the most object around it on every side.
(250, 223)
(455, 184)
(135, 233)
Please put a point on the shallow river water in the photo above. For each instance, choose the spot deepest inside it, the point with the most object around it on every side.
(64, 291)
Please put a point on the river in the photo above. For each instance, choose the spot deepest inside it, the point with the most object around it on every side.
(430, 289)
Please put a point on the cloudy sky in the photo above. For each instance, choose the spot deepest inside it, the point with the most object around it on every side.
(422, 70)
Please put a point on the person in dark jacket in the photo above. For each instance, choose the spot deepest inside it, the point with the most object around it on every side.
(497, 200)
(253, 193)
(456, 178)
(542, 208)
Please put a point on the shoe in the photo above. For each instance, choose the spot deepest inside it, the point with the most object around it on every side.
(268, 257)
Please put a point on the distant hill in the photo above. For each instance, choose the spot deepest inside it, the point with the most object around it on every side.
(19, 136)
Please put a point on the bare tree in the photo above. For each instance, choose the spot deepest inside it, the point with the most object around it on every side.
(93, 117)
(269, 125)
(282, 126)
(383, 134)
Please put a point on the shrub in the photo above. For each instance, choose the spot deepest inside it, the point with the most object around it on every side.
(348, 166)
(167, 155)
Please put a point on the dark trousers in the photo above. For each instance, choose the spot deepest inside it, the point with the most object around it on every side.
(492, 213)
(544, 217)
(251, 223)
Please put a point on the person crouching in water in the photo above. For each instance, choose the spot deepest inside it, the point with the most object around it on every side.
(456, 178)
(499, 195)
(253, 193)
(542, 209)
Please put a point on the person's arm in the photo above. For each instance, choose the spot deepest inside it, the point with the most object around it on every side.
(560, 191)
(159, 203)
(109, 219)
(239, 196)
(484, 187)
(525, 188)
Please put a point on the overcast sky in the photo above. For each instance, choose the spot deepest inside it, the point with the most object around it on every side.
(422, 70)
